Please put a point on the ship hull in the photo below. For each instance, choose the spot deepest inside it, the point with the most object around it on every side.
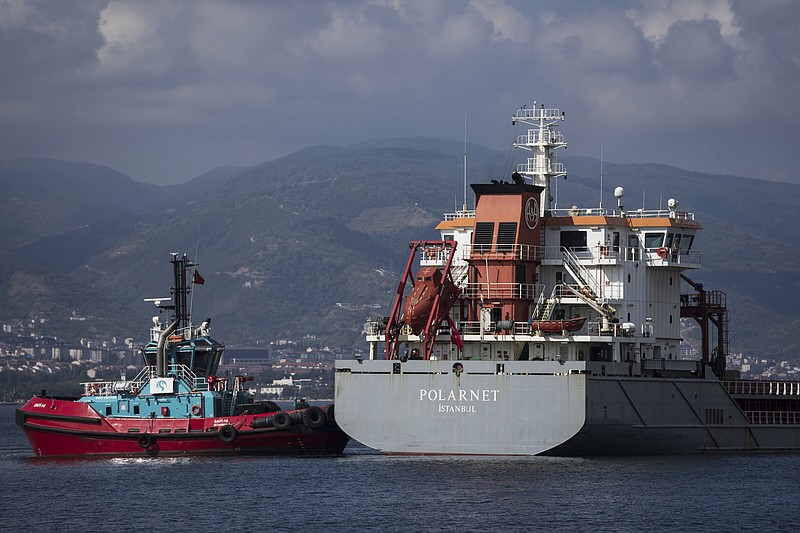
(542, 408)
(67, 428)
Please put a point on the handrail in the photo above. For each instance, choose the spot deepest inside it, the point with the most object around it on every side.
(773, 417)
(110, 388)
(763, 388)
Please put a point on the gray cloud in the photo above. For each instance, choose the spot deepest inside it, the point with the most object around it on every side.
(165, 90)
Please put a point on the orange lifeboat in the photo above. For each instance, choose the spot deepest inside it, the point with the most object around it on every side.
(419, 303)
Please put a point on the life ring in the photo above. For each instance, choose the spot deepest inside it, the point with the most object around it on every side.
(227, 433)
(662, 252)
(281, 420)
(145, 441)
(92, 390)
(314, 417)
(196, 410)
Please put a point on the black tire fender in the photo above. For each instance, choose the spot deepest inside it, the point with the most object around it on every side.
(314, 417)
(281, 420)
(228, 433)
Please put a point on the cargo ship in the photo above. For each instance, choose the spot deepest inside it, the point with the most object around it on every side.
(177, 405)
(530, 329)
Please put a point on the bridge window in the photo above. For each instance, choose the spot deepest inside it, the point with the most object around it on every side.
(653, 240)
(686, 243)
(574, 240)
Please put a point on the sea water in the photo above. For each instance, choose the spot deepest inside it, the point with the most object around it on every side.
(364, 491)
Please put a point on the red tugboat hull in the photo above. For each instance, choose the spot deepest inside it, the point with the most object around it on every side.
(68, 428)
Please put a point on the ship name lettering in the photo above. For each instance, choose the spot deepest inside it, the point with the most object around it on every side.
(38, 404)
(445, 408)
(473, 395)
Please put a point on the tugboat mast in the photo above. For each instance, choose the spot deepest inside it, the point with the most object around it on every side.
(542, 140)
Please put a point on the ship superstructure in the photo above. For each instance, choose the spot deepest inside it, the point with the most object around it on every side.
(551, 330)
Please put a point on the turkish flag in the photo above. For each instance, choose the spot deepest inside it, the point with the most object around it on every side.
(198, 279)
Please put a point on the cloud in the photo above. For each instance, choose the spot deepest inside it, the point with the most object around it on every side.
(696, 51)
(165, 90)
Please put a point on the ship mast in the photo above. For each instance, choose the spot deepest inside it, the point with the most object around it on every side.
(541, 139)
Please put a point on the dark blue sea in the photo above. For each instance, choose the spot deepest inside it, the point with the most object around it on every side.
(364, 491)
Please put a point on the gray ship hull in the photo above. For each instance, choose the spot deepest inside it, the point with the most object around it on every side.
(542, 408)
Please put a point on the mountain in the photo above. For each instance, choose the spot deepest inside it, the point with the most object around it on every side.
(47, 197)
(284, 243)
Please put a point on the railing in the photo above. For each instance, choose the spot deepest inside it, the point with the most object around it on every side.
(537, 166)
(683, 258)
(680, 216)
(525, 291)
(375, 327)
(186, 333)
(522, 252)
(438, 258)
(713, 299)
(533, 137)
(604, 254)
(110, 388)
(763, 388)
(607, 254)
(538, 113)
(773, 417)
(469, 213)
(664, 365)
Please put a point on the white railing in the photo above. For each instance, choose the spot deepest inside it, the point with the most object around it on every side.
(773, 417)
(763, 388)
(607, 254)
(537, 113)
(469, 213)
(186, 333)
(537, 166)
(680, 216)
(533, 137)
(110, 388)
(438, 258)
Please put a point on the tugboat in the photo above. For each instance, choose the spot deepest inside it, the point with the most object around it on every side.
(177, 404)
(552, 331)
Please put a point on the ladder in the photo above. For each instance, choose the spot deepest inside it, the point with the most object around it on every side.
(544, 306)
(588, 288)
(459, 273)
(580, 273)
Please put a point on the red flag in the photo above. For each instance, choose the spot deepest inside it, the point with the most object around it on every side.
(198, 279)
(454, 335)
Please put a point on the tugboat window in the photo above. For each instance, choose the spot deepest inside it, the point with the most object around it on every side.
(686, 243)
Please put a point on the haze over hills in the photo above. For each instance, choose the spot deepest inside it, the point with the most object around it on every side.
(282, 243)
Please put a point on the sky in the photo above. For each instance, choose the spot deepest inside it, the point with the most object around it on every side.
(165, 90)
